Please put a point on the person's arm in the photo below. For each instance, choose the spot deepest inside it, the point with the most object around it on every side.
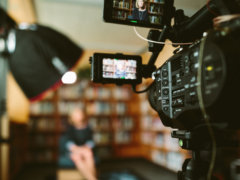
(70, 144)
(135, 14)
(90, 142)
(84, 162)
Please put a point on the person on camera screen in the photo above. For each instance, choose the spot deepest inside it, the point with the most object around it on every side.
(140, 12)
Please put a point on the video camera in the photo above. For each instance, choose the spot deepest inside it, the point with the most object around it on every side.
(196, 90)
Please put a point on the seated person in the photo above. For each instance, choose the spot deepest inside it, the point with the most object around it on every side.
(140, 12)
(76, 146)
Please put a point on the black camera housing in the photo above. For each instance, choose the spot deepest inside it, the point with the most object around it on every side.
(175, 96)
(97, 69)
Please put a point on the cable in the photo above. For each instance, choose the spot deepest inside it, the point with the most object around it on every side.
(157, 42)
(143, 91)
(202, 107)
(221, 19)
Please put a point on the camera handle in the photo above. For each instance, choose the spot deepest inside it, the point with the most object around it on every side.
(148, 69)
(154, 35)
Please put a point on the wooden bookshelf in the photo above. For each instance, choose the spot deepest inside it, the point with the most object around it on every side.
(42, 131)
(111, 111)
(122, 9)
(123, 123)
(18, 148)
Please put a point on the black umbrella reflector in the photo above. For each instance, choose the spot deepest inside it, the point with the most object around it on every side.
(42, 55)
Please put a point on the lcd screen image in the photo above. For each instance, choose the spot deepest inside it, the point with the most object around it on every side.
(139, 11)
(119, 68)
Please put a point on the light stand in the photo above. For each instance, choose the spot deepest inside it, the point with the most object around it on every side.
(4, 121)
(38, 56)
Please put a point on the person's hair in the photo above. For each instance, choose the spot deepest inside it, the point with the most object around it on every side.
(144, 4)
(5, 20)
(70, 121)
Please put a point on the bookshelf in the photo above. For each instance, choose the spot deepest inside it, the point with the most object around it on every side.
(42, 131)
(123, 123)
(155, 11)
(122, 9)
(111, 112)
(18, 148)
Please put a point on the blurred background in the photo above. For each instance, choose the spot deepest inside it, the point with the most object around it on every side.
(129, 135)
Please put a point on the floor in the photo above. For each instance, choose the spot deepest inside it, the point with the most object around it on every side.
(144, 169)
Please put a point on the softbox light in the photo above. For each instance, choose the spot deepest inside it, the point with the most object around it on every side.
(41, 57)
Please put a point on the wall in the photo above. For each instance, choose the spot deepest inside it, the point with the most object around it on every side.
(166, 53)
(17, 103)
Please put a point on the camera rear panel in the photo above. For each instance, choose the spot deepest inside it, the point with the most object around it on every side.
(176, 84)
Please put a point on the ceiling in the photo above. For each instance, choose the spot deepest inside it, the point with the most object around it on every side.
(82, 21)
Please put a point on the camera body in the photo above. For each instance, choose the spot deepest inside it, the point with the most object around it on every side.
(177, 87)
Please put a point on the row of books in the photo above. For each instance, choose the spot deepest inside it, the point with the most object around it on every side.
(101, 138)
(121, 93)
(146, 138)
(42, 140)
(98, 93)
(41, 156)
(73, 91)
(102, 123)
(116, 93)
(155, 19)
(85, 90)
(105, 138)
(160, 140)
(121, 4)
(171, 160)
(42, 124)
(125, 123)
(92, 108)
(122, 15)
(106, 108)
(155, 9)
(65, 108)
(42, 108)
(122, 137)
